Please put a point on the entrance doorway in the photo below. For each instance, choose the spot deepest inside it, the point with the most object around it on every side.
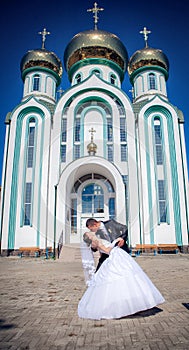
(93, 196)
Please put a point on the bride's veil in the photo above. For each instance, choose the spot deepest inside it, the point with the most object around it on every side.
(87, 262)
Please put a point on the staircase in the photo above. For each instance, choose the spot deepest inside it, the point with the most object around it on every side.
(72, 253)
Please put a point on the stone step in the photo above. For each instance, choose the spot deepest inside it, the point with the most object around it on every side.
(72, 252)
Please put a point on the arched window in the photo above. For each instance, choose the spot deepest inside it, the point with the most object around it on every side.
(78, 78)
(113, 79)
(27, 220)
(31, 143)
(36, 80)
(77, 129)
(123, 139)
(63, 141)
(97, 72)
(152, 84)
(158, 141)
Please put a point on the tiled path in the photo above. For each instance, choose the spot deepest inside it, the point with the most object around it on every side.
(39, 298)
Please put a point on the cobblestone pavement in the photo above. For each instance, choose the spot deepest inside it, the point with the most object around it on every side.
(39, 298)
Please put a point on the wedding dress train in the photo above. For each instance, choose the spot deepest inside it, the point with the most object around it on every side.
(119, 288)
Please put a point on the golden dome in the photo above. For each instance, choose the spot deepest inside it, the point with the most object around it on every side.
(148, 57)
(95, 44)
(92, 148)
(41, 58)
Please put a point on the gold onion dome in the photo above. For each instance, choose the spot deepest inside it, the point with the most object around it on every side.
(41, 58)
(147, 57)
(95, 44)
(92, 148)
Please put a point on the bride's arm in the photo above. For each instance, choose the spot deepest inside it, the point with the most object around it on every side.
(97, 243)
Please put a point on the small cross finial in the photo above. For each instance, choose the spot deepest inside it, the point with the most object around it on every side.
(92, 133)
(145, 32)
(43, 34)
(95, 10)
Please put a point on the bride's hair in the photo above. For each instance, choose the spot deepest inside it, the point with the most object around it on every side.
(87, 239)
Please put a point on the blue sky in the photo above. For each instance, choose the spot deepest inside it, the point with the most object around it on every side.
(20, 22)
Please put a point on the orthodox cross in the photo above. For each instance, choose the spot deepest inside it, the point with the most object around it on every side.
(145, 32)
(92, 133)
(95, 10)
(60, 91)
(132, 92)
(43, 34)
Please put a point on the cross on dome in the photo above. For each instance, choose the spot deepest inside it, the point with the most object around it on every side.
(95, 10)
(43, 34)
(145, 32)
(92, 131)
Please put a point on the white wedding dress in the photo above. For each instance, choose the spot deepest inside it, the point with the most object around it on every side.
(119, 288)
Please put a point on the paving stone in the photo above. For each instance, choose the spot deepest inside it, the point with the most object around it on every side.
(39, 298)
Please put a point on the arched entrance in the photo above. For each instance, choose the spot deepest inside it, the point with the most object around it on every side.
(104, 185)
(92, 195)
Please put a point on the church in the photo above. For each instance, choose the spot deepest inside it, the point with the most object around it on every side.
(92, 151)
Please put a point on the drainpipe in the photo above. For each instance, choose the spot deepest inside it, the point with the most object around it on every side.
(55, 203)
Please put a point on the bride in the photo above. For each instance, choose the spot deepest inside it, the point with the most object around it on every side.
(119, 288)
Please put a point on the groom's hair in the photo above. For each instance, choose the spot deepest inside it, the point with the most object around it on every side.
(91, 222)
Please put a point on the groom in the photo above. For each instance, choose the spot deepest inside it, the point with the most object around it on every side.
(108, 230)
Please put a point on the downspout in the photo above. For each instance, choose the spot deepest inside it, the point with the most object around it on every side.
(55, 204)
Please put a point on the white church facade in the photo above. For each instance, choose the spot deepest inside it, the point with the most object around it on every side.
(94, 152)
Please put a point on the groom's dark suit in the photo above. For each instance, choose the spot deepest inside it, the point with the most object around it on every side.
(113, 230)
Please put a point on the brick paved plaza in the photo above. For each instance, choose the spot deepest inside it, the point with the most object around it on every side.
(39, 299)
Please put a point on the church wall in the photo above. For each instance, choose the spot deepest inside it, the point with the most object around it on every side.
(142, 88)
(7, 180)
(153, 230)
(105, 73)
(47, 85)
(181, 183)
(185, 207)
(29, 234)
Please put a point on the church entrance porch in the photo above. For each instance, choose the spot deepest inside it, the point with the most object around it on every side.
(88, 187)
(94, 196)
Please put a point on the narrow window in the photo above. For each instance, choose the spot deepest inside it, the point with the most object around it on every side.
(122, 129)
(77, 129)
(111, 208)
(110, 152)
(27, 203)
(76, 151)
(152, 81)
(64, 130)
(36, 80)
(158, 142)
(63, 153)
(78, 78)
(31, 144)
(74, 216)
(124, 153)
(112, 79)
(109, 129)
(162, 201)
